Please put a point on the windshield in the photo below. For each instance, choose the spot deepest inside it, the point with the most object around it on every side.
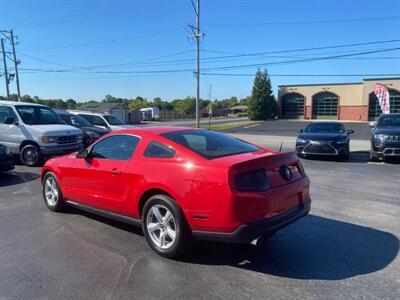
(325, 128)
(210, 144)
(389, 121)
(38, 115)
(113, 120)
(75, 120)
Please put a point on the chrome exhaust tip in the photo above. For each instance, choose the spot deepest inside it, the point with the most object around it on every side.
(257, 241)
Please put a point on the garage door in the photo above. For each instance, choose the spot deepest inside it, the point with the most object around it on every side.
(375, 111)
(292, 106)
(324, 106)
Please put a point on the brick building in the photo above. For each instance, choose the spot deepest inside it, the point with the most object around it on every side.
(337, 101)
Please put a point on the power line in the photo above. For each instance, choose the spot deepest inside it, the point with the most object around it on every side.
(305, 75)
(308, 22)
(156, 61)
(105, 41)
(301, 60)
(219, 67)
(65, 19)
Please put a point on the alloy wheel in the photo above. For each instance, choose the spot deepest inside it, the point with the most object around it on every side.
(51, 191)
(161, 226)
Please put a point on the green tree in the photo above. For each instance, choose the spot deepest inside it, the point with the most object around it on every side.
(71, 104)
(187, 105)
(138, 103)
(262, 103)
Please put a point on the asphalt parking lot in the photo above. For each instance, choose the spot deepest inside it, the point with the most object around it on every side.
(346, 248)
(290, 128)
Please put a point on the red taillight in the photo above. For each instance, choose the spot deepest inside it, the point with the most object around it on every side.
(253, 181)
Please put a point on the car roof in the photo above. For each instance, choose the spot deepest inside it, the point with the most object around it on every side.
(88, 113)
(156, 130)
(326, 123)
(14, 103)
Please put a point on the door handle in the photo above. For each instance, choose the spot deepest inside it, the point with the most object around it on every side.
(115, 171)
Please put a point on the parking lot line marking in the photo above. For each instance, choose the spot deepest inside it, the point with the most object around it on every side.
(250, 126)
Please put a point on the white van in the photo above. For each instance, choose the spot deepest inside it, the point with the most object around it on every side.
(34, 131)
(107, 121)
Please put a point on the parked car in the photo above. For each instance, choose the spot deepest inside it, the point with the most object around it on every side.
(6, 159)
(324, 139)
(90, 133)
(34, 131)
(181, 183)
(109, 122)
(385, 137)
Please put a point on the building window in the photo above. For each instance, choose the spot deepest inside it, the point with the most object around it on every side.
(325, 106)
(375, 111)
(292, 106)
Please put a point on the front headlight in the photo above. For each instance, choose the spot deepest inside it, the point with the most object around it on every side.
(379, 138)
(48, 139)
(301, 141)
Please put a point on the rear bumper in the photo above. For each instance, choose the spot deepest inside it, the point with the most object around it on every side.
(250, 231)
(60, 149)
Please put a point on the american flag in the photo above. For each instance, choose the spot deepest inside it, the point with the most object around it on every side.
(382, 93)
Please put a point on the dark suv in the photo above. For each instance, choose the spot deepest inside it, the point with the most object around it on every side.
(90, 132)
(385, 137)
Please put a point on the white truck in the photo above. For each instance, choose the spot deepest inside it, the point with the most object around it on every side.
(150, 113)
(34, 131)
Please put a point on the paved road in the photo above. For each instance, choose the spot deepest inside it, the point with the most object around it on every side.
(191, 123)
(347, 248)
(291, 128)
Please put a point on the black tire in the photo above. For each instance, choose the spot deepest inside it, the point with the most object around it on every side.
(58, 204)
(30, 155)
(183, 236)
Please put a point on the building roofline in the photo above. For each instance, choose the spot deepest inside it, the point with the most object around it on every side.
(384, 78)
(342, 83)
(317, 84)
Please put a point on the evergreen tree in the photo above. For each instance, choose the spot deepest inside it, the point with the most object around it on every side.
(262, 103)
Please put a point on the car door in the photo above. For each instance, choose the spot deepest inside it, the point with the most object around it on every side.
(100, 180)
(10, 134)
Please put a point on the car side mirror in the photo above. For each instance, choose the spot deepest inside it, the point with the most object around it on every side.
(83, 153)
(350, 131)
(372, 124)
(10, 121)
(301, 131)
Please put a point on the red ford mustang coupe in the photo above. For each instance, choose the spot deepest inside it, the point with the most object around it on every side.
(181, 183)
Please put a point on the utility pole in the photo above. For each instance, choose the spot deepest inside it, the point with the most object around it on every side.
(5, 69)
(16, 62)
(197, 35)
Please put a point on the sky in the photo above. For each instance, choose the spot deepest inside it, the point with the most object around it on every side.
(86, 49)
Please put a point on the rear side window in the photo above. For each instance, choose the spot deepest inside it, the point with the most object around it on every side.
(116, 147)
(210, 144)
(155, 149)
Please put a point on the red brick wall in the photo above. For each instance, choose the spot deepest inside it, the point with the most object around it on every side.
(356, 113)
